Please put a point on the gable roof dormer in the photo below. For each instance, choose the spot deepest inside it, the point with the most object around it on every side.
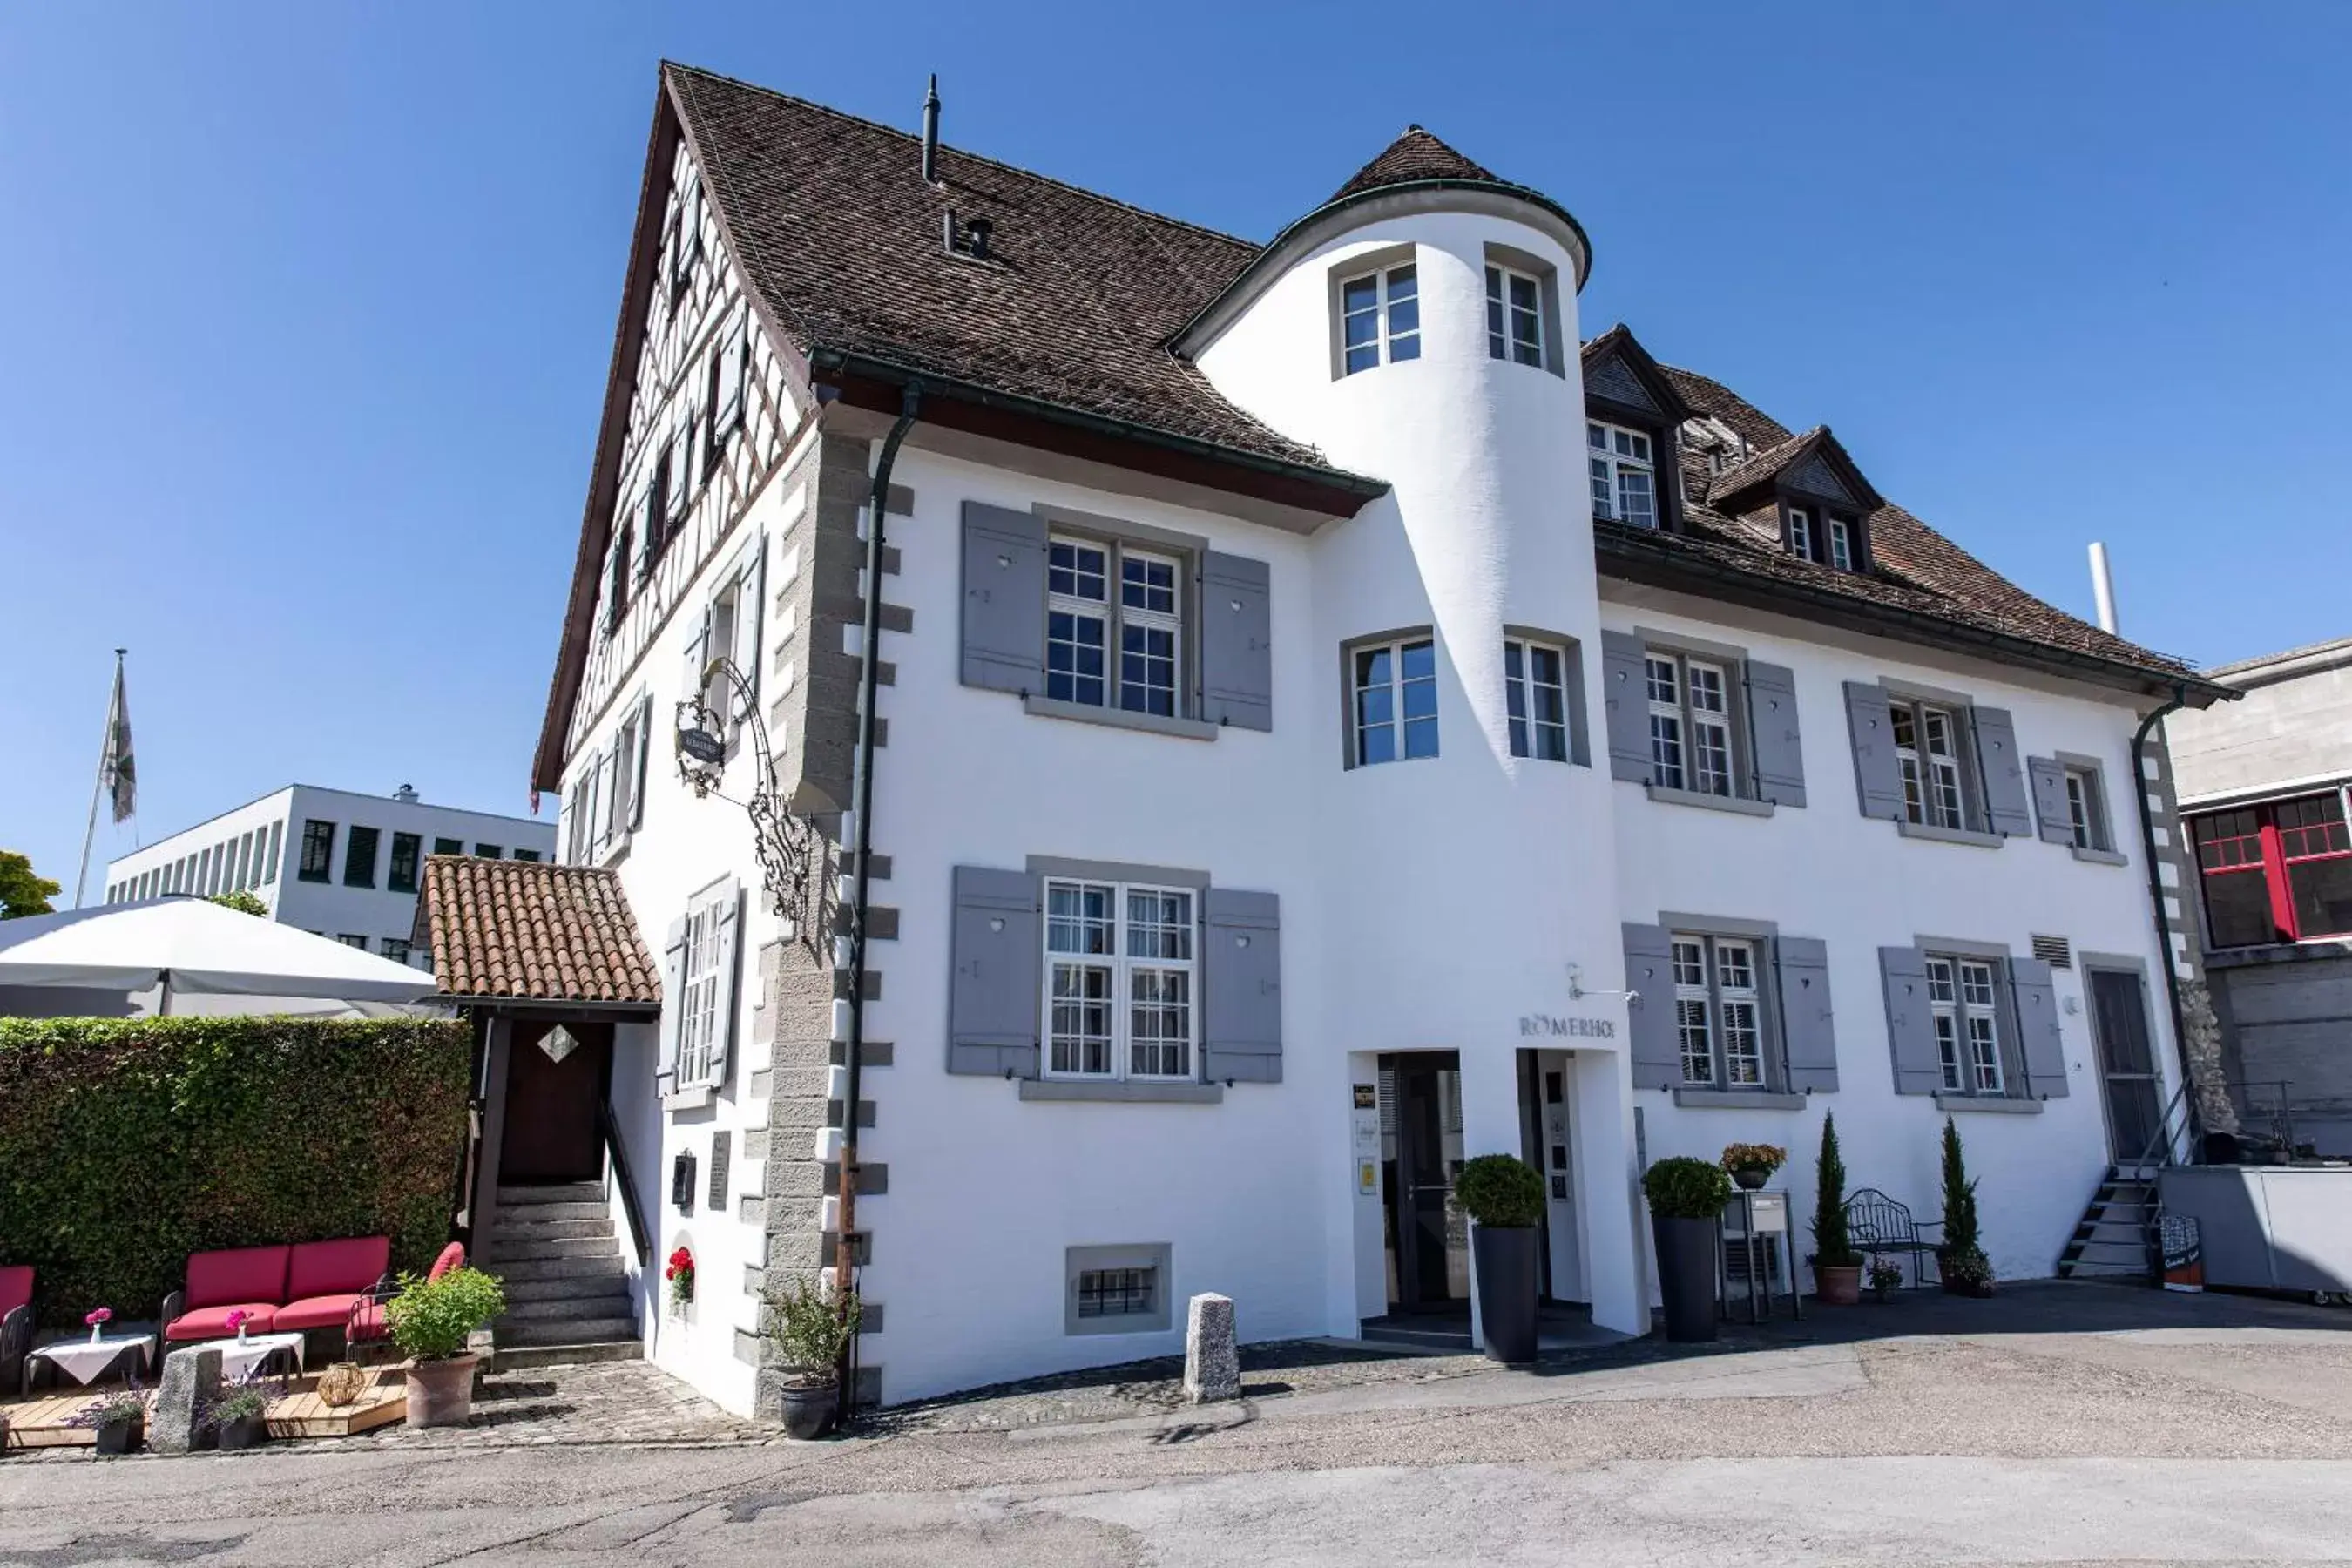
(1620, 374)
(1812, 466)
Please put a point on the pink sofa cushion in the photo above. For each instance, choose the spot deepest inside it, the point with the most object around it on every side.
(452, 1257)
(337, 1267)
(317, 1312)
(232, 1279)
(15, 1288)
(367, 1322)
(212, 1322)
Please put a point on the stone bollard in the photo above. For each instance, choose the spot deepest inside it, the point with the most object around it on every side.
(192, 1381)
(1212, 1364)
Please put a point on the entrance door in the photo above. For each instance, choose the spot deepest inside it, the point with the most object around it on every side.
(2126, 1060)
(1429, 1236)
(556, 1076)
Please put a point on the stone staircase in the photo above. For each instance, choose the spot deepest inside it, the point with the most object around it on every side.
(567, 1293)
(2112, 1239)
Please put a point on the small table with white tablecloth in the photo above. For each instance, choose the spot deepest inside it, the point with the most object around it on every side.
(240, 1359)
(86, 1359)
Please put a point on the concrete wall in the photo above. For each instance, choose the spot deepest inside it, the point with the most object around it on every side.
(2294, 727)
(2286, 1013)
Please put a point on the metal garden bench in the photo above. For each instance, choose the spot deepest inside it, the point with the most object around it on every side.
(1878, 1225)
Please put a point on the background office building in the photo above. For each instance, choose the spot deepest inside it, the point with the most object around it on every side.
(331, 862)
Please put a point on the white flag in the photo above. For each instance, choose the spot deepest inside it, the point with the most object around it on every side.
(120, 770)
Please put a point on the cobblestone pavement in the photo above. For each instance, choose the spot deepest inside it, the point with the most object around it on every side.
(596, 1402)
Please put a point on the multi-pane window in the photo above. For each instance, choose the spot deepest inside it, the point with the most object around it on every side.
(2086, 821)
(1624, 476)
(395, 949)
(401, 877)
(318, 851)
(1535, 687)
(1379, 318)
(1690, 723)
(2276, 872)
(1717, 1015)
(1927, 754)
(1964, 1003)
(1513, 316)
(1085, 620)
(449, 846)
(1395, 702)
(525, 855)
(1118, 1293)
(1800, 533)
(1842, 543)
(359, 856)
(488, 851)
(1119, 981)
(701, 1027)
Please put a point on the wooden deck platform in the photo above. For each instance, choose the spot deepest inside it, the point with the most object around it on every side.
(45, 1422)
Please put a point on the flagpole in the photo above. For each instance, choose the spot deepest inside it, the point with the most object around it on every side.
(98, 784)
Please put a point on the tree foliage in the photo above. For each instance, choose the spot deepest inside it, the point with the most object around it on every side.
(24, 891)
(1832, 1246)
(244, 901)
(1500, 1192)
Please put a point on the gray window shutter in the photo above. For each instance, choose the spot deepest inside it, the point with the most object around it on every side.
(1236, 643)
(1241, 1035)
(1877, 781)
(1772, 728)
(2004, 771)
(697, 655)
(1808, 1034)
(1625, 693)
(998, 959)
(1910, 1027)
(730, 976)
(748, 600)
(2049, 781)
(645, 754)
(1004, 599)
(730, 377)
(1650, 975)
(673, 993)
(2041, 1045)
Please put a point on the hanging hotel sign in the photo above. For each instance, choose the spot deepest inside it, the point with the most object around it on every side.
(1547, 1026)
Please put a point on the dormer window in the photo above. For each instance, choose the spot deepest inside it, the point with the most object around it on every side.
(1842, 543)
(1624, 475)
(1827, 540)
(1800, 533)
(1379, 318)
(1513, 316)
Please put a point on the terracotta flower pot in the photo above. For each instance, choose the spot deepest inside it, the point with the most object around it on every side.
(809, 1408)
(441, 1392)
(1838, 1285)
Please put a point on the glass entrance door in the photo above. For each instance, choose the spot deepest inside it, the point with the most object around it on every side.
(2127, 1061)
(1420, 1153)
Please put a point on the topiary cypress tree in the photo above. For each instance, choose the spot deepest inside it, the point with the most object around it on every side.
(1959, 1196)
(1832, 1247)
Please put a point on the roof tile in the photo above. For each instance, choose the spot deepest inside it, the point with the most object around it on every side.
(528, 930)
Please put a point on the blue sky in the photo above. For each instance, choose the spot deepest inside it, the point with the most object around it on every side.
(307, 308)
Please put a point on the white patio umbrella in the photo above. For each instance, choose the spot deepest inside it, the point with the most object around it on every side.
(190, 945)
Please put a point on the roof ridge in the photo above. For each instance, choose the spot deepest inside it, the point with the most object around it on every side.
(914, 141)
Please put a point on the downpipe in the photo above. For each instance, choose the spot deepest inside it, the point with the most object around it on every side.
(2156, 895)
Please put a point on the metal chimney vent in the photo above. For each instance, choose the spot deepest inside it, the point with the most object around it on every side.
(405, 795)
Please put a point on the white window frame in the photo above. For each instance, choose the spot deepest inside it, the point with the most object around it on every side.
(1841, 544)
(1395, 687)
(1127, 975)
(1964, 1003)
(1395, 315)
(1719, 1013)
(1693, 734)
(1522, 687)
(1934, 793)
(1506, 316)
(1613, 453)
(703, 988)
(2086, 815)
(1801, 531)
(1116, 616)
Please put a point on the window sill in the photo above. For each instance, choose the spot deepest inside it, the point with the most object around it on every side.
(2100, 856)
(1934, 834)
(1737, 1100)
(695, 1099)
(2000, 1105)
(1119, 719)
(1730, 803)
(1121, 1091)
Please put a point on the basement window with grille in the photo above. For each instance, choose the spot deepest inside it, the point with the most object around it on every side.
(1116, 1289)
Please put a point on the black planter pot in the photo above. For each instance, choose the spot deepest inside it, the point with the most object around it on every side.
(1686, 1276)
(119, 1437)
(242, 1433)
(809, 1408)
(1505, 1258)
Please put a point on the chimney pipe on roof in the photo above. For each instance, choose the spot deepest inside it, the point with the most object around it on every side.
(406, 792)
(931, 131)
(2103, 587)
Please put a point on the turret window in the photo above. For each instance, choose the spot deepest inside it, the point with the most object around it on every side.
(1624, 478)
(1513, 316)
(1379, 318)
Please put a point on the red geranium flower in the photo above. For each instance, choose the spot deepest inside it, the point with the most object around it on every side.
(679, 1260)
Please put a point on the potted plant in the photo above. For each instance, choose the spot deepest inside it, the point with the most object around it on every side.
(432, 1321)
(96, 1320)
(1752, 1164)
(237, 1417)
(1885, 1279)
(1504, 1197)
(1961, 1260)
(811, 1326)
(1686, 1198)
(680, 1275)
(119, 1419)
(1837, 1268)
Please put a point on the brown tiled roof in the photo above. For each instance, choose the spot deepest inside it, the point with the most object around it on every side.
(1415, 155)
(837, 231)
(526, 931)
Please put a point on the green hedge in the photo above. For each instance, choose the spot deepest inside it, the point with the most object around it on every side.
(126, 1144)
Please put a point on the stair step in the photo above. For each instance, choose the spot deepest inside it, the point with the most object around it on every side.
(507, 1249)
(516, 1357)
(561, 1193)
(568, 1269)
(538, 1213)
(562, 1287)
(603, 1304)
(564, 1330)
(509, 1227)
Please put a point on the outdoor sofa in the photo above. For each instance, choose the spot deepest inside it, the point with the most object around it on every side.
(16, 1325)
(309, 1287)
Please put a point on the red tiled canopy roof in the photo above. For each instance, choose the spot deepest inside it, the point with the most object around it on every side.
(526, 931)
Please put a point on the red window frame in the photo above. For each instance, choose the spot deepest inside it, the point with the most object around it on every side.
(2281, 839)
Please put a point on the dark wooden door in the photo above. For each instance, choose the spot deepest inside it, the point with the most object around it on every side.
(1432, 1237)
(555, 1082)
(2126, 1060)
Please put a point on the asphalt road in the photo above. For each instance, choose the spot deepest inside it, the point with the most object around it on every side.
(2206, 1445)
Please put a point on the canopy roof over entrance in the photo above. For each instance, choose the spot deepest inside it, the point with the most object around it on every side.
(519, 931)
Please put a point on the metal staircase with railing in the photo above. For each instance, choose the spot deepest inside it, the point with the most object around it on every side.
(2117, 1236)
